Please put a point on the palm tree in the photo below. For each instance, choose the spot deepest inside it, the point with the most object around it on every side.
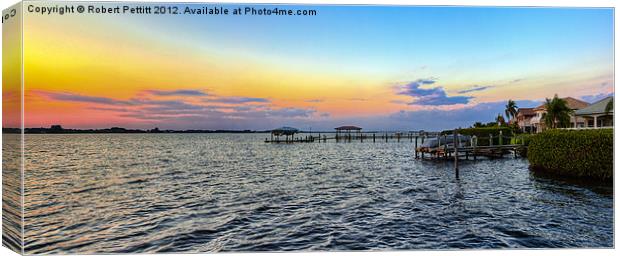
(500, 120)
(558, 113)
(511, 109)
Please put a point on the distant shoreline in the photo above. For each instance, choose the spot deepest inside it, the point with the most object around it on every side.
(115, 130)
(120, 130)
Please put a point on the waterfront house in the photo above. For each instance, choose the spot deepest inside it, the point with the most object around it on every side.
(524, 119)
(575, 121)
(595, 115)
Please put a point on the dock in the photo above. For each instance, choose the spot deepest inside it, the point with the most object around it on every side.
(427, 145)
(374, 137)
(469, 150)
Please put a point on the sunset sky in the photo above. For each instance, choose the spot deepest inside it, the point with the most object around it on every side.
(382, 68)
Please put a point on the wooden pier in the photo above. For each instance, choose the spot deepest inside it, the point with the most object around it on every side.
(373, 137)
(461, 148)
(470, 150)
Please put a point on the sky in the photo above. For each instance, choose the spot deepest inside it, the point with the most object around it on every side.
(378, 67)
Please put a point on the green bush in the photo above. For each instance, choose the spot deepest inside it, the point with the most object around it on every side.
(523, 139)
(574, 153)
(482, 133)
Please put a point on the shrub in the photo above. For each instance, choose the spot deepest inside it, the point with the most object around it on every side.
(574, 153)
(523, 139)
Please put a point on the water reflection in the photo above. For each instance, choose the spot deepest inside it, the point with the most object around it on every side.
(208, 192)
(11, 192)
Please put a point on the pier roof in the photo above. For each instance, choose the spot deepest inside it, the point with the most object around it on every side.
(285, 130)
(348, 128)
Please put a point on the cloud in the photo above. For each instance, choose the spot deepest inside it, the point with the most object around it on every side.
(109, 109)
(150, 110)
(398, 102)
(63, 96)
(167, 104)
(433, 96)
(239, 100)
(476, 88)
(516, 80)
(314, 101)
(291, 112)
(596, 97)
(437, 119)
(176, 93)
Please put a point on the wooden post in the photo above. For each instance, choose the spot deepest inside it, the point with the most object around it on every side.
(501, 138)
(271, 137)
(456, 155)
(416, 146)
(445, 145)
(373, 137)
(362, 137)
(514, 150)
(398, 137)
(474, 144)
(386, 138)
(490, 139)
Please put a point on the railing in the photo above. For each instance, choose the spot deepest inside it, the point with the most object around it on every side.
(587, 128)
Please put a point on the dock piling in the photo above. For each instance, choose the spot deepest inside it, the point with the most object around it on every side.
(456, 155)
(416, 147)
(501, 138)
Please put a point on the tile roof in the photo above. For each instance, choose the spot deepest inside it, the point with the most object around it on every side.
(571, 102)
(526, 111)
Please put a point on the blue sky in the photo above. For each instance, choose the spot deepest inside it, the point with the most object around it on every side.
(347, 64)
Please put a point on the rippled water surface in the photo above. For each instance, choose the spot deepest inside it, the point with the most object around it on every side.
(111, 193)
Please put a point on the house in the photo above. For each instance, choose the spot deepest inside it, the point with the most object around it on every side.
(595, 115)
(524, 119)
(575, 121)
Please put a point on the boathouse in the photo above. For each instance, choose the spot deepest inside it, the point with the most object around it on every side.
(284, 131)
(348, 129)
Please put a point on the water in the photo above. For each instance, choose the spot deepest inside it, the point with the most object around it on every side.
(112, 193)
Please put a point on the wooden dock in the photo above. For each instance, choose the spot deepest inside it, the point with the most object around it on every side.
(447, 152)
(456, 151)
(470, 150)
(412, 137)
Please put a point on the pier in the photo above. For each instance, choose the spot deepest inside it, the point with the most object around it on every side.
(427, 145)
(367, 137)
